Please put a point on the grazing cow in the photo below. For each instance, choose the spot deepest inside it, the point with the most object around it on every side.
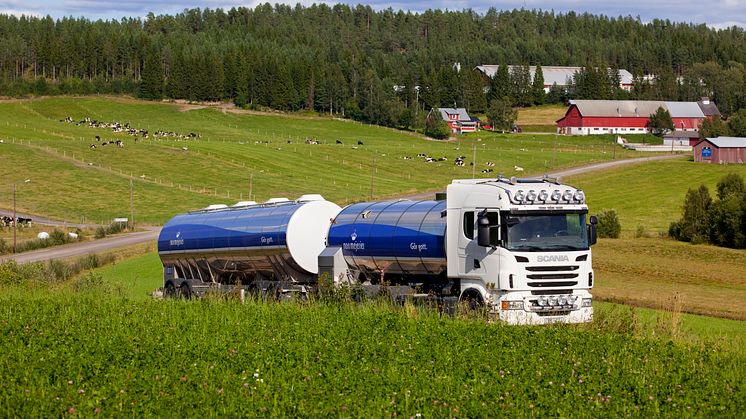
(487, 171)
(421, 155)
(98, 138)
(407, 158)
(290, 142)
(339, 142)
(5, 220)
(92, 146)
(185, 148)
(359, 142)
(459, 162)
(442, 159)
(429, 160)
(105, 143)
(518, 168)
(120, 144)
(490, 164)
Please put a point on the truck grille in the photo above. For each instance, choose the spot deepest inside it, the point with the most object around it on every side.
(552, 276)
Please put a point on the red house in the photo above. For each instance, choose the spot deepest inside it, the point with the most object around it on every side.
(721, 150)
(585, 117)
(458, 120)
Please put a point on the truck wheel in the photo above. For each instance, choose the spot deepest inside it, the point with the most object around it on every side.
(471, 301)
(186, 291)
(169, 290)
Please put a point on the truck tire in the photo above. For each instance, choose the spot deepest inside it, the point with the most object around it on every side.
(471, 300)
(169, 290)
(186, 290)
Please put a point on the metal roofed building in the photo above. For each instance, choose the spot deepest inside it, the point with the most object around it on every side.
(585, 117)
(458, 120)
(562, 76)
(721, 150)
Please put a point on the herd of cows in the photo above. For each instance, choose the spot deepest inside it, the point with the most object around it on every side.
(125, 128)
(6, 221)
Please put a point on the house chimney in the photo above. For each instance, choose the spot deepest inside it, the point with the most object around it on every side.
(636, 113)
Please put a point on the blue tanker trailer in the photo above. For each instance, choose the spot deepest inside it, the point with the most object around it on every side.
(519, 247)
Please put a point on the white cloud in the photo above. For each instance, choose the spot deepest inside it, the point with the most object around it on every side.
(717, 14)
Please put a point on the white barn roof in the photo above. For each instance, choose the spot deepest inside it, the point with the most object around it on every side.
(728, 142)
(553, 74)
(636, 108)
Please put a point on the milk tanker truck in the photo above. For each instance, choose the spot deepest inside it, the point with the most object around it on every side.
(518, 247)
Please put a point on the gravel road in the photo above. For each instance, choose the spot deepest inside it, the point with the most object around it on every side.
(96, 246)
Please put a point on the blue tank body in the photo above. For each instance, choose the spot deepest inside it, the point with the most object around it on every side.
(392, 236)
(256, 226)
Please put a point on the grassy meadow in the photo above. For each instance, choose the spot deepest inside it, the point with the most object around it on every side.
(237, 153)
(87, 352)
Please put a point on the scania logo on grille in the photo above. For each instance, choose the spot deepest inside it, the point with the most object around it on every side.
(552, 258)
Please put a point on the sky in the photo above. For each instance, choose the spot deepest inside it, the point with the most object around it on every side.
(718, 14)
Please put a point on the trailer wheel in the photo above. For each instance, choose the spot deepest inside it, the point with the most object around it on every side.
(186, 290)
(169, 290)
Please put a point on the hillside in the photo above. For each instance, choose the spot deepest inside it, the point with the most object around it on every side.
(237, 153)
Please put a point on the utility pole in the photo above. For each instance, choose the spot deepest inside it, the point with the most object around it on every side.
(474, 166)
(132, 208)
(372, 176)
(15, 219)
(251, 185)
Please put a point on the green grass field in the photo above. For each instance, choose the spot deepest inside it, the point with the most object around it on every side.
(649, 195)
(70, 181)
(85, 353)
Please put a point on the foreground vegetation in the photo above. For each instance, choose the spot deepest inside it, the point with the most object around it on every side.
(87, 353)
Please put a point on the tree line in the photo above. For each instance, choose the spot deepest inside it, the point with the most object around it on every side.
(382, 67)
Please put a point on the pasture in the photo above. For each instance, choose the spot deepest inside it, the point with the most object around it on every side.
(238, 154)
(649, 195)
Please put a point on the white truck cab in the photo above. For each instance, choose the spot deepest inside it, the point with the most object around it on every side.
(521, 247)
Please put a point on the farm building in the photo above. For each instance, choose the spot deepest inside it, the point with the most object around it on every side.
(562, 76)
(681, 138)
(458, 120)
(585, 117)
(721, 150)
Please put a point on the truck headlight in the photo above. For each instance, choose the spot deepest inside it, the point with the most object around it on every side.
(587, 302)
(511, 305)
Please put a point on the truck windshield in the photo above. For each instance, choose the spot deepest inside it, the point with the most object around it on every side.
(544, 231)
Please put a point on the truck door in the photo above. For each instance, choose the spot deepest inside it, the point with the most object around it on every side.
(473, 259)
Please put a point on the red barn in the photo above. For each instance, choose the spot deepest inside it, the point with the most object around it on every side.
(721, 150)
(585, 117)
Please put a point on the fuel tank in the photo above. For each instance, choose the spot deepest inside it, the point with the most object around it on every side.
(401, 237)
(279, 239)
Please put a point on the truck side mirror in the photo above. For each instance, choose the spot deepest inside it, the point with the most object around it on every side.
(592, 233)
(483, 231)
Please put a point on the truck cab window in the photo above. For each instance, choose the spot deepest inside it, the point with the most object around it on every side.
(469, 225)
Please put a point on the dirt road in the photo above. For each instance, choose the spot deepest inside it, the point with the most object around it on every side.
(84, 248)
(97, 246)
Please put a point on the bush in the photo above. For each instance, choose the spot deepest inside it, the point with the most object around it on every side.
(112, 228)
(721, 222)
(608, 224)
(4, 248)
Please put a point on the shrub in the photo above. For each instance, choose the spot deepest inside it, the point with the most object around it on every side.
(4, 248)
(608, 224)
(91, 281)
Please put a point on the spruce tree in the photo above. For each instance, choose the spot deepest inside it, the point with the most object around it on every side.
(537, 86)
(151, 84)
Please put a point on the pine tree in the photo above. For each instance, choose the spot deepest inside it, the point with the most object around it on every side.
(151, 85)
(537, 87)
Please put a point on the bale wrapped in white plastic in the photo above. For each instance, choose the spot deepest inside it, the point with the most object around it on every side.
(42, 235)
